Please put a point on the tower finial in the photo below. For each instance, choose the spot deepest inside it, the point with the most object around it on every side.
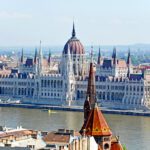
(73, 30)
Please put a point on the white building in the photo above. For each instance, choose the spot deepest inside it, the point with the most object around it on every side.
(19, 137)
(117, 84)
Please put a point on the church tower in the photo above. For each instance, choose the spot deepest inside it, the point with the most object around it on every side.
(94, 122)
(91, 93)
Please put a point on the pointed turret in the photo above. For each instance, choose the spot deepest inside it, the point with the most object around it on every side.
(91, 91)
(69, 66)
(129, 59)
(114, 56)
(40, 59)
(22, 57)
(96, 124)
(128, 73)
(35, 56)
(49, 58)
(129, 63)
(73, 31)
(99, 57)
(69, 77)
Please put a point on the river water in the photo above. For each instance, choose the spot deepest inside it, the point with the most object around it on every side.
(134, 131)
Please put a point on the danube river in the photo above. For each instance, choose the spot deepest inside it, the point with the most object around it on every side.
(134, 131)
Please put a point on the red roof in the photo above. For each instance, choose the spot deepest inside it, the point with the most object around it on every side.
(96, 124)
(115, 143)
(116, 146)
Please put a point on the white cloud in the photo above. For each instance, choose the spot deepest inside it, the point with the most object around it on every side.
(14, 15)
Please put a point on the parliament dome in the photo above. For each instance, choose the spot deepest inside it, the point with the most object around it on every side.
(74, 44)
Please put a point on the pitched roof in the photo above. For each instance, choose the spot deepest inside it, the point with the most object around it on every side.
(17, 133)
(96, 124)
(55, 137)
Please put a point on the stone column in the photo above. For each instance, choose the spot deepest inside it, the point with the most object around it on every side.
(73, 146)
(84, 143)
(76, 145)
(80, 144)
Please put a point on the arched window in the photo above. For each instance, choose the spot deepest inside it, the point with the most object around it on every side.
(55, 84)
(78, 94)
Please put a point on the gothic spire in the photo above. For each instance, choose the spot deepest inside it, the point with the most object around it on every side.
(73, 31)
(35, 56)
(69, 77)
(91, 91)
(129, 58)
(40, 50)
(40, 59)
(99, 57)
(129, 64)
(114, 57)
(128, 73)
(49, 57)
(69, 62)
(22, 56)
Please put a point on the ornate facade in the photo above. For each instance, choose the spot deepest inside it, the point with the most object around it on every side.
(117, 84)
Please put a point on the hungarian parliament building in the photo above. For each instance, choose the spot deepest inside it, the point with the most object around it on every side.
(119, 84)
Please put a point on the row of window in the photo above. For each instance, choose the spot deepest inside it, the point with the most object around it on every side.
(51, 94)
(51, 83)
(18, 83)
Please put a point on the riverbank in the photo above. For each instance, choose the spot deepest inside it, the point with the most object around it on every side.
(77, 109)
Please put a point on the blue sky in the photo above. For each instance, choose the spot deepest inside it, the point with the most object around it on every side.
(97, 22)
